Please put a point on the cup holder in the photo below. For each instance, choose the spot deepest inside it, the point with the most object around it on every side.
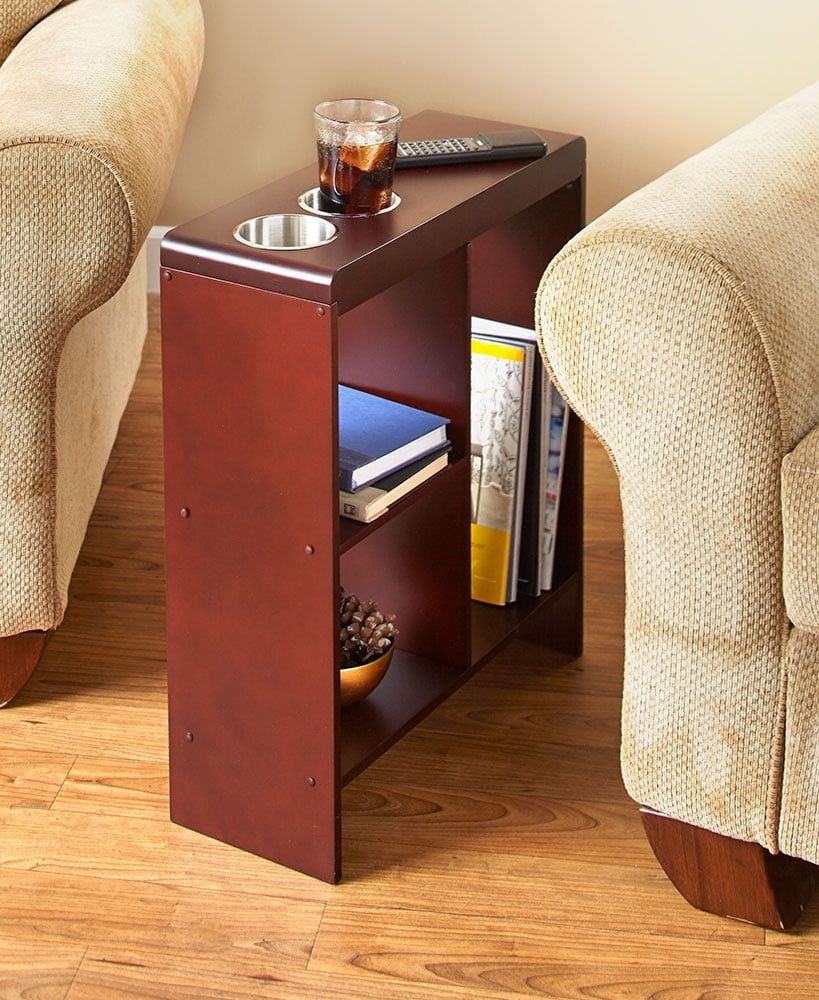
(309, 201)
(285, 232)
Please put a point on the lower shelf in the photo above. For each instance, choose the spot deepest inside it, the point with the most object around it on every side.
(415, 686)
(494, 627)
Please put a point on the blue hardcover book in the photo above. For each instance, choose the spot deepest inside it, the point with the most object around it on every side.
(377, 436)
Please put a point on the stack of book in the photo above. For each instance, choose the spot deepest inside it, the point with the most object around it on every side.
(386, 450)
(519, 427)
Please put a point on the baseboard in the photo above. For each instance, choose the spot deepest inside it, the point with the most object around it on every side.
(152, 245)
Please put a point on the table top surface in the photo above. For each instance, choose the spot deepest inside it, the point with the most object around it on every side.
(441, 209)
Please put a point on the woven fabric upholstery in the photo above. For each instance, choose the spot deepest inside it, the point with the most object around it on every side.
(115, 78)
(683, 326)
(751, 204)
(800, 516)
(98, 365)
(93, 101)
(799, 828)
(16, 17)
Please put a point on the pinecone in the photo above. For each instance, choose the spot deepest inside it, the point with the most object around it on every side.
(365, 633)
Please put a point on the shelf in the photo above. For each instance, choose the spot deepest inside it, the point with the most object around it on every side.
(413, 687)
(493, 627)
(352, 532)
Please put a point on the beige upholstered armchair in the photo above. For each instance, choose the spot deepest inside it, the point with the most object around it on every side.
(683, 327)
(94, 95)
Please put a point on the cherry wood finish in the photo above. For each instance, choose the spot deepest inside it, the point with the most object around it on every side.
(417, 567)
(506, 265)
(259, 747)
(19, 656)
(732, 878)
(441, 210)
(252, 574)
(411, 343)
(542, 229)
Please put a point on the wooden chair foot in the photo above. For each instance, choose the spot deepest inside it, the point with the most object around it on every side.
(19, 656)
(732, 878)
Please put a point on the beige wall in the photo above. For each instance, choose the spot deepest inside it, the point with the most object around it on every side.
(648, 82)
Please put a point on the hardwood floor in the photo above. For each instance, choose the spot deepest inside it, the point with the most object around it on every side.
(493, 853)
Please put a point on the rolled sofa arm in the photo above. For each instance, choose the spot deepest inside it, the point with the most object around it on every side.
(93, 101)
(681, 326)
(114, 79)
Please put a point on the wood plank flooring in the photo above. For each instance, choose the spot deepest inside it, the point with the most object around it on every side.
(492, 853)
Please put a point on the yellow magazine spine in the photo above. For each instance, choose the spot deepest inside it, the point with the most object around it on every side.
(490, 559)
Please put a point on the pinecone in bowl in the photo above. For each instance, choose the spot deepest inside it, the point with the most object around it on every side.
(365, 633)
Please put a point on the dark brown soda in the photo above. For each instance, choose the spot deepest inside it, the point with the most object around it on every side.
(356, 179)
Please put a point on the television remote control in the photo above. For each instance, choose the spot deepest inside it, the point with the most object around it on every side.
(518, 144)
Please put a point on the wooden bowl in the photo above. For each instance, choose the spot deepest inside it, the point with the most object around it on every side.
(358, 682)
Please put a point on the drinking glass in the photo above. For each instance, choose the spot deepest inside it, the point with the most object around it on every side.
(356, 140)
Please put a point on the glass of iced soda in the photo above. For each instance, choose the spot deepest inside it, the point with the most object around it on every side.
(356, 141)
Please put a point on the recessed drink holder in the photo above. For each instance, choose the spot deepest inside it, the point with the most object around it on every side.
(309, 201)
(285, 232)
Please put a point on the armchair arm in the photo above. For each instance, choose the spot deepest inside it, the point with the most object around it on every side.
(655, 353)
(682, 326)
(115, 79)
(93, 101)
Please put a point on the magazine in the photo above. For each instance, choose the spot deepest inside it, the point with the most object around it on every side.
(558, 429)
(501, 397)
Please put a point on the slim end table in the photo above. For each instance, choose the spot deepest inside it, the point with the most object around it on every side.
(254, 343)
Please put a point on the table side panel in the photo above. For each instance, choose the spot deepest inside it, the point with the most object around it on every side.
(251, 452)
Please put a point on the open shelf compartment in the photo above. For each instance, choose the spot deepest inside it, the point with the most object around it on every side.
(352, 532)
(416, 685)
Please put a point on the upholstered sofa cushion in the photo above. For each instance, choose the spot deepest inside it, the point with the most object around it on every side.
(16, 17)
(800, 518)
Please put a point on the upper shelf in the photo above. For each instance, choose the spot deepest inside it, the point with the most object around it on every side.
(352, 532)
(442, 208)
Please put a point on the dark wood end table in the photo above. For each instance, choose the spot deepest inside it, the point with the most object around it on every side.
(254, 344)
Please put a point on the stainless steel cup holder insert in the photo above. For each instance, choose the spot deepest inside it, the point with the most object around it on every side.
(309, 201)
(285, 232)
